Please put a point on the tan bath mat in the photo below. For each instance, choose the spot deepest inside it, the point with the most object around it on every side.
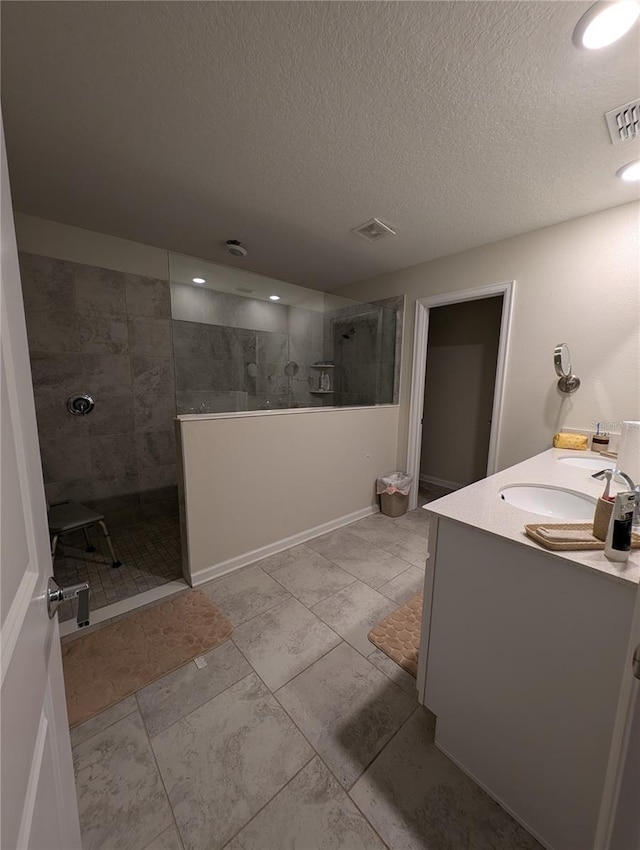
(398, 635)
(107, 665)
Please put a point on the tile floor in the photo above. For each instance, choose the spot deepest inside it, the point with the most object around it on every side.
(298, 734)
(149, 551)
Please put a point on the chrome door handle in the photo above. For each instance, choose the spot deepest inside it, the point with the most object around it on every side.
(57, 594)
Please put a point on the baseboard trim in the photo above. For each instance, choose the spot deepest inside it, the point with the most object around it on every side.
(239, 561)
(440, 482)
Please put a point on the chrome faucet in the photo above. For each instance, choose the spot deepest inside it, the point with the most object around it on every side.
(618, 475)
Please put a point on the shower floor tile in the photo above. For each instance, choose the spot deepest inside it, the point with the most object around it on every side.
(150, 553)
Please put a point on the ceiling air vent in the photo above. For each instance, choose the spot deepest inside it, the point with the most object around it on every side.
(374, 230)
(624, 122)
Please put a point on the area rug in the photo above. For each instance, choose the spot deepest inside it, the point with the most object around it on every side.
(107, 665)
(398, 635)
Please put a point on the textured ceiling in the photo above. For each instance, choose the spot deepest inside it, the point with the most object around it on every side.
(286, 124)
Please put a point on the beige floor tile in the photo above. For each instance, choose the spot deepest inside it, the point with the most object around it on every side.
(379, 530)
(415, 521)
(224, 761)
(353, 612)
(312, 811)
(311, 577)
(394, 671)
(180, 692)
(366, 562)
(410, 547)
(244, 594)
(283, 641)
(417, 799)
(234, 845)
(284, 558)
(404, 586)
(169, 840)
(103, 720)
(121, 800)
(226, 747)
(347, 709)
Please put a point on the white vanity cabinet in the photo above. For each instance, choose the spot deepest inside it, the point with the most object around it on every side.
(521, 661)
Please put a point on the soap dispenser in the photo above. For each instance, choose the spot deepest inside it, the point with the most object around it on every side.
(618, 543)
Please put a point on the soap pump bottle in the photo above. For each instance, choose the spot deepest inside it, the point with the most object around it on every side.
(618, 543)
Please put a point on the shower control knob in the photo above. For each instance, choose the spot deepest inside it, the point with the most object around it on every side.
(80, 405)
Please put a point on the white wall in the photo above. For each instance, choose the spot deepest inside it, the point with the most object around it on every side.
(253, 482)
(64, 242)
(576, 282)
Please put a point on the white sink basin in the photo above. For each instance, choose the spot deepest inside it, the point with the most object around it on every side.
(550, 501)
(594, 463)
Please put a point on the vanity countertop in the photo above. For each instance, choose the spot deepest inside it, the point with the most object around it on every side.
(480, 506)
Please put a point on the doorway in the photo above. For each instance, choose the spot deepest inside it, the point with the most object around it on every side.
(457, 388)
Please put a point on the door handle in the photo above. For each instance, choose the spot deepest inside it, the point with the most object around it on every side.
(635, 662)
(57, 594)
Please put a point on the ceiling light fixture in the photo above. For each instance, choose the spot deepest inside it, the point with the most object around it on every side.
(236, 248)
(274, 298)
(605, 22)
(630, 172)
(199, 280)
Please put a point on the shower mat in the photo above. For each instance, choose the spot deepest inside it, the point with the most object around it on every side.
(111, 663)
(398, 635)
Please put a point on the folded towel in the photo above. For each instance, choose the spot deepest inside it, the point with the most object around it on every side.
(564, 440)
(565, 535)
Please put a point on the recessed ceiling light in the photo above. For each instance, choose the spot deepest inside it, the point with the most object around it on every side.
(605, 22)
(199, 280)
(630, 172)
(274, 298)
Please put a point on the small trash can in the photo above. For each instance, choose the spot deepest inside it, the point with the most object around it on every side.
(393, 489)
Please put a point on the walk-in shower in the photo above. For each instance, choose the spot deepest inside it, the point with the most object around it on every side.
(115, 356)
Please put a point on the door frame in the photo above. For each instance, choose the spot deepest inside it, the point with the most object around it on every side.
(419, 369)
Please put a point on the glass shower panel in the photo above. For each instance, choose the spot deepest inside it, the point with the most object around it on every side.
(362, 342)
(238, 348)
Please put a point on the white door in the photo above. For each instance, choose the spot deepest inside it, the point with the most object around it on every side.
(619, 821)
(38, 804)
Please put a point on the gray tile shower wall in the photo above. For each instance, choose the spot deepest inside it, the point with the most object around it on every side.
(392, 328)
(109, 334)
(212, 367)
(226, 368)
(364, 341)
